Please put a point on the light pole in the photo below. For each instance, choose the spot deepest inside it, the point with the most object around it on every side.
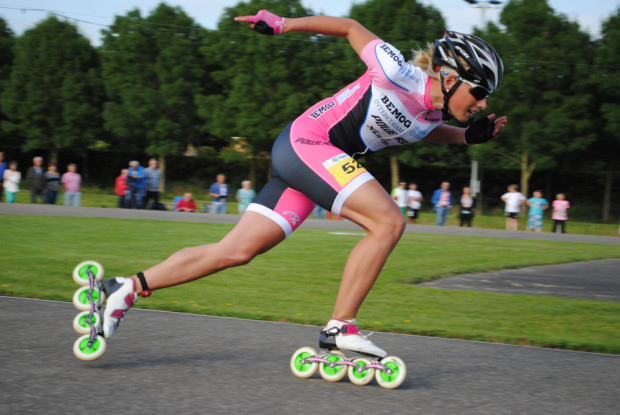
(483, 5)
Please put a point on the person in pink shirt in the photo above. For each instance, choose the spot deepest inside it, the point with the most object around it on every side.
(72, 182)
(559, 213)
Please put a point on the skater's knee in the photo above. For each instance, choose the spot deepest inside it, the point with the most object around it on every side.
(390, 227)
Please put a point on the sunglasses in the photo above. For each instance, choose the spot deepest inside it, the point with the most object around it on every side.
(479, 93)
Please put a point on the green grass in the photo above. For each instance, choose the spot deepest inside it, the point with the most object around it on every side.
(297, 281)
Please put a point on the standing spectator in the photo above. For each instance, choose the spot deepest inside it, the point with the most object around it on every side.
(136, 179)
(36, 179)
(468, 204)
(52, 184)
(401, 198)
(121, 188)
(415, 199)
(513, 200)
(442, 202)
(11, 178)
(153, 182)
(245, 195)
(73, 183)
(319, 212)
(186, 204)
(3, 167)
(537, 205)
(559, 213)
(219, 192)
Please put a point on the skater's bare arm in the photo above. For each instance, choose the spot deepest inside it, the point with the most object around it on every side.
(357, 35)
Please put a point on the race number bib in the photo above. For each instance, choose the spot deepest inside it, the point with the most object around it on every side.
(343, 168)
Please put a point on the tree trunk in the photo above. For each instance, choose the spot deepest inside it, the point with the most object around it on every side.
(609, 177)
(527, 169)
(394, 170)
(162, 169)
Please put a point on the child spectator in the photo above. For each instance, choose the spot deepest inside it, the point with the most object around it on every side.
(245, 195)
(11, 177)
(415, 197)
(537, 205)
(121, 188)
(72, 182)
(560, 213)
(513, 199)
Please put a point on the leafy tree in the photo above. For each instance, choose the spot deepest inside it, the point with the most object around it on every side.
(53, 98)
(544, 92)
(7, 41)
(266, 81)
(152, 70)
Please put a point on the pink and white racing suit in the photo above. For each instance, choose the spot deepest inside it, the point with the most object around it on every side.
(313, 159)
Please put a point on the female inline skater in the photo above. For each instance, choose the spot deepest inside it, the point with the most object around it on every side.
(313, 161)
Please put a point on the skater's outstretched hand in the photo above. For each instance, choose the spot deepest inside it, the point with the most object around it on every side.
(264, 22)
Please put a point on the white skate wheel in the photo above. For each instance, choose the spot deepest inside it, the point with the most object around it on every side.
(85, 353)
(79, 272)
(80, 298)
(398, 375)
(80, 322)
(303, 370)
(358, 375)
(333, 371)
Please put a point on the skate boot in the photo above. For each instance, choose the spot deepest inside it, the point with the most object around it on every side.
(121, 295)
(344, 335)
(340, 337)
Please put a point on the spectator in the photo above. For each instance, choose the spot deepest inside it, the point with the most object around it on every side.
(401, 197)
(245, 195)
(52, 184)
(319, 212)
(513, 200)
(3, 167)
(36, 179)
(72, 182)
(560, 213)
(187, 204)
(468, 204)
(136, 179)
(415, 199)
(11, 178)
(442, 202)
(537, 205)
(121, 188)
(153, 180)
(219, 192)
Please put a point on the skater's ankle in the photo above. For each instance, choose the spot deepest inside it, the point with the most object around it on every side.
(141, 287)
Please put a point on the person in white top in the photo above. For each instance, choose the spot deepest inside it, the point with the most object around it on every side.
(415, 197)
(401, 197)
(513, 200)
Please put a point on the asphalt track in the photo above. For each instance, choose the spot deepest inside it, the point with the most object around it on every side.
(172, 363)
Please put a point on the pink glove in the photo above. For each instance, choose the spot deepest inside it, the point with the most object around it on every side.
(267, 23)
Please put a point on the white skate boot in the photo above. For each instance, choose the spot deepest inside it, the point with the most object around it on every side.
(121, 294)
(344, 335)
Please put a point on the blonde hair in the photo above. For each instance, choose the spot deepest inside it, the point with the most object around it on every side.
(424, 59)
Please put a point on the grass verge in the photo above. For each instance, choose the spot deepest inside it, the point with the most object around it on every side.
(297, 281)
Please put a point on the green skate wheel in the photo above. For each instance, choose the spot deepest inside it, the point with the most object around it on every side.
(80, 322)
(79, 272)
(333, 371)
(358, 375)
(307, 369)
(85, 353)
(80, 299)
(398, 375)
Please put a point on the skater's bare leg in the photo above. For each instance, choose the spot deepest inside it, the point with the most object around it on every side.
(254, 234)
(375, 211)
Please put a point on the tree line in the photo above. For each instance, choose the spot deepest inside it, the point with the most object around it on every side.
(162, 85)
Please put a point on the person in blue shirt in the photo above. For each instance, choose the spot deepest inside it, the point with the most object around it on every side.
(136, 179)
(3, 167)
(220, 192)
(442, 202)
(537, 205)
